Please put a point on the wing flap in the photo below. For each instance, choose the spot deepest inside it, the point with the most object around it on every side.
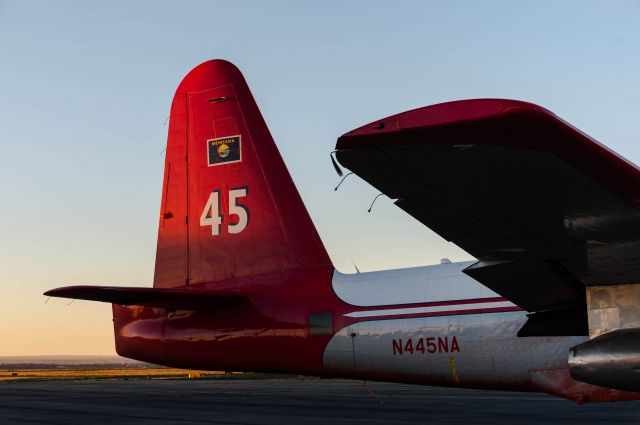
(561, 322)
(172, 298)
(531, 284)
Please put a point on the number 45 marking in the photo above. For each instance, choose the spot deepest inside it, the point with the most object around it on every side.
(211, 213)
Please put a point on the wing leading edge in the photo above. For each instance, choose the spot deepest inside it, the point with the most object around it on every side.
(546, 209)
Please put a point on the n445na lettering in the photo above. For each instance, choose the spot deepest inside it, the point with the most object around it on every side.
(425, 345)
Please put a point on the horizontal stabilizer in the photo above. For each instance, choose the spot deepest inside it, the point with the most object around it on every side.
(173, 298)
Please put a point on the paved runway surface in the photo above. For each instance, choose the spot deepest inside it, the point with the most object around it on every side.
(287, 402)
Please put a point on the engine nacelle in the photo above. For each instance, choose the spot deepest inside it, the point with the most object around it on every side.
(610, 360)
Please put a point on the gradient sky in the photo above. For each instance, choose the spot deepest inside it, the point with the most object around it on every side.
(86, 88)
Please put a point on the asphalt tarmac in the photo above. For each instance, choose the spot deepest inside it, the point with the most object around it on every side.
(287, 401)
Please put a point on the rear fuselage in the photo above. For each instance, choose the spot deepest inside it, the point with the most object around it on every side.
(429, 325)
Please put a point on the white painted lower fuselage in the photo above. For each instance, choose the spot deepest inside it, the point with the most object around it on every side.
(435, 325)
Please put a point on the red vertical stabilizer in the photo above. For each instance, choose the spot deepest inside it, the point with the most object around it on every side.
(229, 207)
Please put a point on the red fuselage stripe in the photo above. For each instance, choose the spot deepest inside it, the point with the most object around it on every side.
(442, 313)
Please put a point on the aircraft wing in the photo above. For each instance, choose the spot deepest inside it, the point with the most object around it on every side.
(546, 209)
(173, 298)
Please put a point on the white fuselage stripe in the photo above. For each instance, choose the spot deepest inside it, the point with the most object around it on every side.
(432, 309)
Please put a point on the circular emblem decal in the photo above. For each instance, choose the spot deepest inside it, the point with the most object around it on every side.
(223, 150)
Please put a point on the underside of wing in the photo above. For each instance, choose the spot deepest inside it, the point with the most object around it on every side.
(545, 209)
(172, 298)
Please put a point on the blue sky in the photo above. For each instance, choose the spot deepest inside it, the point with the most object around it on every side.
(86, 88)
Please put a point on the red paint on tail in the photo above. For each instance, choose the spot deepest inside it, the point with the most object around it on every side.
(229, 206)
(232, 226)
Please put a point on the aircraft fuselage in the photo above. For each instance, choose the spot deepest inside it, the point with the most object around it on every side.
(430, 325)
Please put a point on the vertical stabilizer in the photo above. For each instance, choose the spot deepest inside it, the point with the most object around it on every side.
(229, 207)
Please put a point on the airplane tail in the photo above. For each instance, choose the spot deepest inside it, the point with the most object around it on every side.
(229, 212)
(229, 207)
